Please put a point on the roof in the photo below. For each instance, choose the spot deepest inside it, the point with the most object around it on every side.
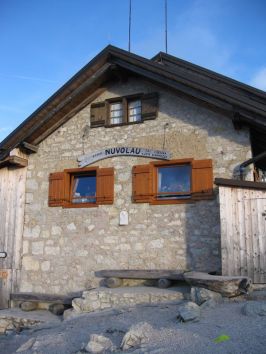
(244, 104)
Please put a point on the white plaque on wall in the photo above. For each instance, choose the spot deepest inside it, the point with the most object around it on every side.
(123, 217)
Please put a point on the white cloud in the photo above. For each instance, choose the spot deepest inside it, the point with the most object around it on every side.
(259, 79)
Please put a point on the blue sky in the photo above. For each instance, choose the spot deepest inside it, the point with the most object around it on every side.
(45, 42)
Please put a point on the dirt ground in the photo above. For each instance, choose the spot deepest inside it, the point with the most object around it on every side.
(244, 334)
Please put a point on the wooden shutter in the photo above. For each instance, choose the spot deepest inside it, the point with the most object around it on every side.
(202, 179)
(98, 114)
(56, 189)
(105, 185)
(142, 184)
(149, 106)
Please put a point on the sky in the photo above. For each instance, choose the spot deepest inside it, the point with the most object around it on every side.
(45, 42)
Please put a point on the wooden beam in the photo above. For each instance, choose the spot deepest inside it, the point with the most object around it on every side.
(141, 274)
(29, 148)
(14, 161)
(240, 184)
(36, 297)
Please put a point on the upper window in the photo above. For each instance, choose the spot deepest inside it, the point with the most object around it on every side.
(124, 110)
(116, 113)
(134, 111)
(81, 187)
(171, 182)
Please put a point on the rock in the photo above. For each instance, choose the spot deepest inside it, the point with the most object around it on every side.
(69, 313)
(254, 308)
(26, 346)
(57, 309)
(28, 306)
(209, 304)
(3, 325)
(136, 336)
(188, 312)
(200, 295)
(99, 344)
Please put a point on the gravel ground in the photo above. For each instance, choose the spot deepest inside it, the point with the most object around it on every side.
(247, 333)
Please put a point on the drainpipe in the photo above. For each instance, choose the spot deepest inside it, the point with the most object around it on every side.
(246, 163)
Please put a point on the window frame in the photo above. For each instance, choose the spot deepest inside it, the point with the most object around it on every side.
(155, 166)
(125, 117)
(70, 174)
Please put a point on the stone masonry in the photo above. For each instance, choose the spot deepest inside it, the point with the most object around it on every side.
(63, 247)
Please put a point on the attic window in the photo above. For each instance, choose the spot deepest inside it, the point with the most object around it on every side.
(124, 110)
(116, 113)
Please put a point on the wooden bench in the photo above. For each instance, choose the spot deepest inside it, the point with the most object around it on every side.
(41, 298)
(164, 277)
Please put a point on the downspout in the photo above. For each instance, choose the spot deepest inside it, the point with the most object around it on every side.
(246, 163)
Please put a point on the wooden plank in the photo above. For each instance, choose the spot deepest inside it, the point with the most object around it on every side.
(248, 235)
(241, 227)
(240, 184)
(223, 223)
(29, 148)
(261, 202)
(226, 285)
(141, 274)
(37, 297)
(255, 237)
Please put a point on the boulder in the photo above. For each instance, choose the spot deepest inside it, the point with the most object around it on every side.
(99, 344)
(4, 323)
(57, 309)
(188, 312)
(28, 306)
(136, 336)
(254, 308)
(201, 295)
(26, 346)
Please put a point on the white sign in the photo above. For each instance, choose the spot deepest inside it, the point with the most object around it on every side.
(122, 151)
(123, 218)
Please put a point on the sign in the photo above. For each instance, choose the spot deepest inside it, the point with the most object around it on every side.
(123, 151)
(3, 254)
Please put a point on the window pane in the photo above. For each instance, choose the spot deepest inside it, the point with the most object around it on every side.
(84, 189)
(174, 179)
(116, 113)
(134, 111)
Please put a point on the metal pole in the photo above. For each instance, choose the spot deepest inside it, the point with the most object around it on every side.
(165, 13)
(129, 27)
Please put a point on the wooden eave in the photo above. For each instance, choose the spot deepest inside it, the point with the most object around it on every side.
(199, 84)
(239, 184)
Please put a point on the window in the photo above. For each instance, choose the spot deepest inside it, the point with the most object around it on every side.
(173, 182)
(134, 111)
(116, 113)
(81, 187)
(131, 109)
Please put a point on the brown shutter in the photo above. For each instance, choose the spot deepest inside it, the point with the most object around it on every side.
(142, 183)
(56, 189)
(105, 185)
(98, 114)
(202, 179)
(149, 106)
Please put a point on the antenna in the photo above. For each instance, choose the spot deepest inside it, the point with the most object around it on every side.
(129, 26)
(165, 13)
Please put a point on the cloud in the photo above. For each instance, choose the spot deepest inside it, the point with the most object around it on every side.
(259, 79)
(22, 77)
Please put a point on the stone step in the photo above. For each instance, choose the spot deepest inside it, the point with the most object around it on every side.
(103, 298)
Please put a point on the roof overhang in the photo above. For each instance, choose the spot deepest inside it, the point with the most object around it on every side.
(244, 104)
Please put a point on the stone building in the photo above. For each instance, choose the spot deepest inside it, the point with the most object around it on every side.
(116, 171)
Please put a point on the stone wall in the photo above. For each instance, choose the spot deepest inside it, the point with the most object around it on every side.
(63, 247)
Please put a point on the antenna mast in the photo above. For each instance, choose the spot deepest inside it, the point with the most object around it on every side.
(165, 13)
(129, 26)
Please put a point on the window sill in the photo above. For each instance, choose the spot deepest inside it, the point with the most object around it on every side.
(122, 124)
(80, 205)
(175, 201)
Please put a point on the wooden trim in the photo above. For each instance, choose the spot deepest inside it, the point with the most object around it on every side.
(171, 162)
(29, 148)
(14, 161)
(240, 184)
